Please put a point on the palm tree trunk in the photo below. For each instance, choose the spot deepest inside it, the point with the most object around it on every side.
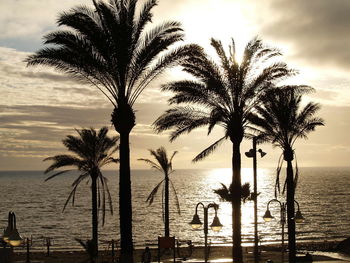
(94, 215)
(290, 212)
(166, 206)
(125, 205)
(236, 204)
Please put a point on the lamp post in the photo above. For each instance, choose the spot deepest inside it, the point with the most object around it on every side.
(11, 235)
(283, 205)
(215, 226)
(252, 154)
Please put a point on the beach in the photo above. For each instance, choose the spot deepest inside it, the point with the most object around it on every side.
(217, 254)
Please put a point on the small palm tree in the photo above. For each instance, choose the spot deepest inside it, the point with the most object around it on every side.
(91, 151)
(223, 94)
(226, 193)
(164, 165)
(113, 48)
(282, 121)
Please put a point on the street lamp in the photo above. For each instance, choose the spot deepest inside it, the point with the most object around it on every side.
(215, 226)
(283, 205)
(252, 154)
(11, 235)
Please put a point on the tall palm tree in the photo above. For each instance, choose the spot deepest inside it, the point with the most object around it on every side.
(91, 151)
(224, 94)
(282, 121)
(164, 165)
(108, 47)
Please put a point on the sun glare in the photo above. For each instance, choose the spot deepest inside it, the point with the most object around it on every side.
(239, 57)
(222, 20)
(224, 175)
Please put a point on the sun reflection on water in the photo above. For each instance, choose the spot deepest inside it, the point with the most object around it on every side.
(217, 176)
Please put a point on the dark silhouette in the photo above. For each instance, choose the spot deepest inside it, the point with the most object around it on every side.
(91, 151)
(226, 194)
(89, 248)
(146, 256)
(282, 121)
(344, 246)
(108, 48)
(164, 165)
(226, 94)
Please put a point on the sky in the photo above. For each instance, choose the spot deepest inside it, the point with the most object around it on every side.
(39, 106)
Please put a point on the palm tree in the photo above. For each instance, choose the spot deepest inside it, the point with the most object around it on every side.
(226, 193)
(91, 151)
(282, 121)
(108, 47)
(164, 165)
(224, 94)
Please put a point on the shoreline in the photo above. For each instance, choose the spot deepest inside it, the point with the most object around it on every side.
(270, 251)
(317, 243)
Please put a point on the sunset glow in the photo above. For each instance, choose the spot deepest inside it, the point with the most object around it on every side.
(40, 106)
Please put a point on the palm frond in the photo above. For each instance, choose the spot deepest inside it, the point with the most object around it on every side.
(153, 193)
(168, 60)
(183, 119)
(63, 160)
(278, 172)
(150, 162)
(56, 174)
(224, 193)
(70, 197)
(176, 197)
(227, 194)
(296, 176)
(163, 203)
(208, 150)
(246, 194)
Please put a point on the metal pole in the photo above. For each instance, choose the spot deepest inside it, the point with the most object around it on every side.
(283, 221)
(206, 234)
(48, 246)
(113, 255)
(28, 254)
(256, 238)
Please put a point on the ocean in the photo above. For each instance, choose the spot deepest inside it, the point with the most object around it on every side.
(323, 195)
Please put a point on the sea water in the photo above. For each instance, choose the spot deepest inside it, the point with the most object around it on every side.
(323, 195)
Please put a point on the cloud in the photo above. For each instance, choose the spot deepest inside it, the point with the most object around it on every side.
(20, 84)
(38, 130)
(23, 23)
(317, 30)
(40, 106)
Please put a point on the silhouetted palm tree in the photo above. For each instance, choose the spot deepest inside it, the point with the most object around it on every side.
(282, 121)
(226, 193)
(91, 151)
(108, 47)
(226, 94)
(163, 165)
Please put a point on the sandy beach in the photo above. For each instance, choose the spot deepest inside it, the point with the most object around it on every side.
(217, 254)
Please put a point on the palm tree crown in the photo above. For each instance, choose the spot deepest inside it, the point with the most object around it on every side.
(108, 48)
(164, 165)
(91, 151)
(283, 119)
(226, 93)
